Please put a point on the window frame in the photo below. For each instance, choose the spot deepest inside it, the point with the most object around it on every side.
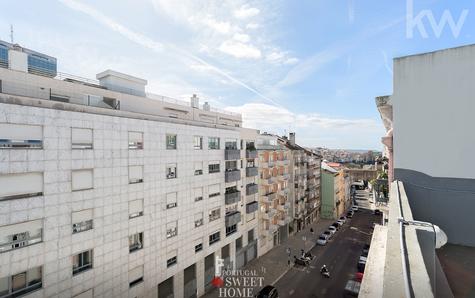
(212, 145)
(200, 146)
(171, 145)
(81, 259)
(136, 242)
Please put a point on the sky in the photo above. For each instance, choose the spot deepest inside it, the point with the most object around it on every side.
(310, 67)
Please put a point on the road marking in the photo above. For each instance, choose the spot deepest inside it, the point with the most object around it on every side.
(291, 292)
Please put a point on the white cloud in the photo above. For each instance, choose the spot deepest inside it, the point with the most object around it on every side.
(312, 128)
(253, 26)
(242, 37)
(240, 50)
(210, 22)
(291, 60)
(246, 12)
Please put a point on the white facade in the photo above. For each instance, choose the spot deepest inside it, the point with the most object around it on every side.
(114, 191)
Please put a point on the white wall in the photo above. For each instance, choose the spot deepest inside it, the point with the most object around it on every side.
(434, 109)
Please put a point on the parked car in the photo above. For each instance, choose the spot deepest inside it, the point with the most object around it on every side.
(340, 223)
(349, 214)
(352, 288)
(268, 292)
(322, 240)
(377, 212)
(328, 234)
(332, 229)
(324, 235)
(365, 252)
(354, 208)
(343, 219)
(336, 225)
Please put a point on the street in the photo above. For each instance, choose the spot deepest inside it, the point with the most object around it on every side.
(340, 255)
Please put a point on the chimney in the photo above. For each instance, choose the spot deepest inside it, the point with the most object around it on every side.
(206, 107)
(195, 102)
(292, 138)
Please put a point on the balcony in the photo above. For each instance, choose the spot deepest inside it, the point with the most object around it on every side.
(252, 153)
(232, 197)
(251, 189)
(270, 196)
(252, 207)
(232, 154)
(232, 218)
(252, 171)
(232, 175)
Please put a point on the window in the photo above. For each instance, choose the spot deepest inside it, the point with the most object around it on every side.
(82, 179)
(135, 276)
(21, 283)
(198, 192)
(214, 214)
(198, 168)
(198, 142)
(231, 165)
(20, 235)
(135, 174)
(230, 144)
(20, 136)
(135, 242)
(198, 247)
(213, 238)
(135, 208)
(171, 142)
(82, 220)
(213, 143)
(231, 230)
(171, 261)
(171, 171)
(81, 138)
(250, 236)
(214, 190)
(171, 200)
(251, 216)
(199, 219)
(239, 243)
(172, 229)
(135, 140)
(213, 167)
(82, 262)
(17, 186)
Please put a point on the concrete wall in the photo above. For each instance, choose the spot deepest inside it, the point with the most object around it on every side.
(433, 110)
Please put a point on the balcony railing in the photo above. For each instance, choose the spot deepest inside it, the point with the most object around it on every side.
(252, 171)
(232, 175)
(232, 154)
(232, 197)
(251, 189)
(232, 218)
(251, 153)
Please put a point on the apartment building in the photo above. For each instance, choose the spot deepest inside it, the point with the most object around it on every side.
(304, 190)
(330, 192)
(109, 191)
(274, 201)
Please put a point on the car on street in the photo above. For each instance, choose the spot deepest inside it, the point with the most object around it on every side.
(343, 219)
(352, 288)
(322, 240)
(340, 222)
(268, 292)
(354, 208)
(332, 229)
(365, 252)
(328, 234)
(349, 214)
(336, 225)
(377, 212)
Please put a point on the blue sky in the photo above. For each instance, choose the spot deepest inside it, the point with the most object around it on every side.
(313, 67)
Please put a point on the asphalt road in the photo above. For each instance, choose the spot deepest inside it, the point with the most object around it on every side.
(340, 255)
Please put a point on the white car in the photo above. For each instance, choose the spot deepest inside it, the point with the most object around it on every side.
(340, 222)
(354, 208)
(332, 229)
(343, 219)
(322, 240)
(327, 234)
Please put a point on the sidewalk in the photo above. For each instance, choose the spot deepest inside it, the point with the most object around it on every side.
(274, 264)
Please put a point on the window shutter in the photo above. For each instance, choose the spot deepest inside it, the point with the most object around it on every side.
(135, 173)
(29, 226)
(171, 198)
(81, 216)
(213, 189)
(135, 206)
(20, 132)
(21, 184)
(198, 165)
(136, 137)
(136, 273)
(81, 135)
(82, 179)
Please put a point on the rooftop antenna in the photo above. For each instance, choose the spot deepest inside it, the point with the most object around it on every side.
(11, 34)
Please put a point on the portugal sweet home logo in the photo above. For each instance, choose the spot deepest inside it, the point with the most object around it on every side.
(235, 283)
